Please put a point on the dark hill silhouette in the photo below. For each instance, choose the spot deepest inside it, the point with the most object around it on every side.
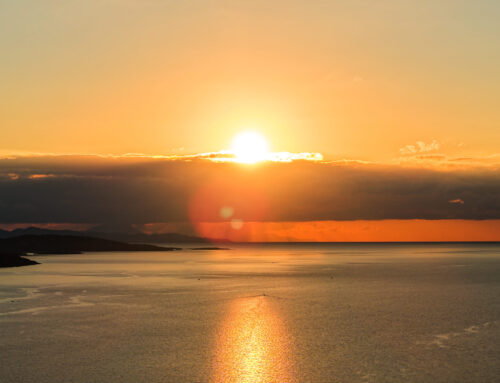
(128, 235)
(37, 231)
(66, 244)
(11, 249)
(152, 238)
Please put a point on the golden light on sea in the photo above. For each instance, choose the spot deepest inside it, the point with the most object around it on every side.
(253, 344)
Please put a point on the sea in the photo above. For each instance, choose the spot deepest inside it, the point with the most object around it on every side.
(255, 313)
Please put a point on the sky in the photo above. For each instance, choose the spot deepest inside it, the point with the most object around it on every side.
(118, 110)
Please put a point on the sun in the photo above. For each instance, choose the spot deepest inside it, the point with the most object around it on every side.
(250, 147)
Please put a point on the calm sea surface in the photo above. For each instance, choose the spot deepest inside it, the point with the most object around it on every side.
(304, 313)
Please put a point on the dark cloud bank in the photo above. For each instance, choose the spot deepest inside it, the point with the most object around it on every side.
(139, 190)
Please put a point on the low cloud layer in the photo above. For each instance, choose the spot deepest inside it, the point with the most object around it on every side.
(93, 189)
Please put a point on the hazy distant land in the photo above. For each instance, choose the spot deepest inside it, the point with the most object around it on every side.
(122, 234)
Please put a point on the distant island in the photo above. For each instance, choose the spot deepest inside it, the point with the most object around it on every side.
(15, 260)
(13, 249)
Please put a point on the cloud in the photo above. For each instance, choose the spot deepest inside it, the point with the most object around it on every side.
(139, 189)
(442, 161)
(37, 176)
(420, 147)
(458, 201)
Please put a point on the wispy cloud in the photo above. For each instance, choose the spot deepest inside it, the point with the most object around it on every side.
(420, 147)
(443, 161)
(219, 156)
(38, 176)
(229, 156)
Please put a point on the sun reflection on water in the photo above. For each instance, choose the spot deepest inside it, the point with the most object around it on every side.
(253, 344)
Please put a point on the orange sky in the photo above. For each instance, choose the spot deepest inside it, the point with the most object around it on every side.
(150, 92)
(341, 78)
(346, 231)
(321, 231)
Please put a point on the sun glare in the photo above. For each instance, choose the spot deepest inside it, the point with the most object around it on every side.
(250, 147)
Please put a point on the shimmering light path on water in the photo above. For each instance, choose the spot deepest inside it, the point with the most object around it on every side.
(253, 344)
